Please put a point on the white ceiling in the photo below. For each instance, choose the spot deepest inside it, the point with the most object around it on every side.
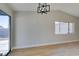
(71, 8)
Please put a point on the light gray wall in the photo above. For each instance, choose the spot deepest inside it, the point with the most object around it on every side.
(32, 29)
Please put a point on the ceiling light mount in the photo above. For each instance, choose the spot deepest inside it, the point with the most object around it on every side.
(43, 8)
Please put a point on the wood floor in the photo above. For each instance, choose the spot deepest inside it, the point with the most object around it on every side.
(68, 49)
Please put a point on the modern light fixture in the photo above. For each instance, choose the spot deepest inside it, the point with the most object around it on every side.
(43, 8)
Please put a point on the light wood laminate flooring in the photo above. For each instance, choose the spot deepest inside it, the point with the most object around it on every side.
(67, 49)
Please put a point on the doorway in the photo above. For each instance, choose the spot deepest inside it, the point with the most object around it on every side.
(5, 33)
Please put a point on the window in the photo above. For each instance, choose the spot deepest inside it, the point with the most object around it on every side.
(71, 27)
(64, 28)
(5, 33)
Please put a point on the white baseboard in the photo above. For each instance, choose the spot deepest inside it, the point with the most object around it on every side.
(37, 45)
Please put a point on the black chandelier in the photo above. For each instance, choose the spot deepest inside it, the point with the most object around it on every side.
(43, 8)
